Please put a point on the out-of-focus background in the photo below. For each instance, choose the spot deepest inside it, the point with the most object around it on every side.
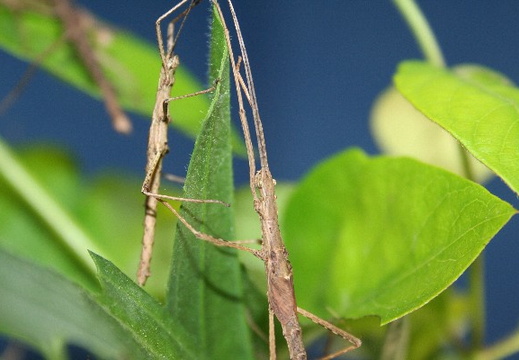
(318, 66)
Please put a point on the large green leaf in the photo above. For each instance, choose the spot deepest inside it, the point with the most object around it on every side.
(205, 288)
(478, 107)
(148, 322)
(384, 236)
(131, 65)
(47, 311)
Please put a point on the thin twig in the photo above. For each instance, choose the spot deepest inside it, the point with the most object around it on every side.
(76, 34)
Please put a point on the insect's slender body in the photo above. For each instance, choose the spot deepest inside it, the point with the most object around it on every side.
(157, 148)
(280, 283)
(158, 136)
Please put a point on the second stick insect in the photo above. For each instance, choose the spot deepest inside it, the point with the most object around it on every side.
(280, 284)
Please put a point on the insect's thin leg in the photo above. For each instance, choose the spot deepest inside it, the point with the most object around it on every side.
(355, 342)
(159, 156)
(150, 216)
(176, 198)
(241, 81)
(272, 335)
(152, 171)
(201, 92)
(206, 237)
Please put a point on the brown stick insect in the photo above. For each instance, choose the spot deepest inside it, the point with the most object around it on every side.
(281, 294)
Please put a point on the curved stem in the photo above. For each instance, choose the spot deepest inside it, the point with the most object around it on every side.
(500, 350)
(421, 30)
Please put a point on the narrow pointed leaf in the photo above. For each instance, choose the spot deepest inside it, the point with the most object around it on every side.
(148, 322)
(383, 236)
(477, 106)
(205, 289)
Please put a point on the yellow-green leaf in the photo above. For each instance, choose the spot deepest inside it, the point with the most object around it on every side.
(477, 106)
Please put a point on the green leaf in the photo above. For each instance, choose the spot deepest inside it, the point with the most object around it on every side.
(148, 322)
(476, 105)
(400, 129)
(47, 311)
(107, 210)
(130, 64)
(384, 236)
(205, 290)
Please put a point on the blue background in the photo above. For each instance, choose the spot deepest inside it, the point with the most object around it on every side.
(318, 65)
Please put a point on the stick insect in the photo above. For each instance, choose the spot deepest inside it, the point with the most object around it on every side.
(281, 295)
(158, 135)
(280, 285)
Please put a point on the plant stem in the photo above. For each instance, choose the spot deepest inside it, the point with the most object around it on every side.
(500, 350)
(397, 340)
(477, 302)
(476, 277)
(421, 30)
(46, 208)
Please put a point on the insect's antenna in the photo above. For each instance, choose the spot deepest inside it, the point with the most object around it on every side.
(243, 116)
(251, 90)
(183, 14)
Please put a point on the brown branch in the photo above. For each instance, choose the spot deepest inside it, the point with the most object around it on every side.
(73, 23)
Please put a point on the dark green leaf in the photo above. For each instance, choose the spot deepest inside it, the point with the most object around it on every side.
(205, 289)
(384, 236)
(476, 105)
(148, 322)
